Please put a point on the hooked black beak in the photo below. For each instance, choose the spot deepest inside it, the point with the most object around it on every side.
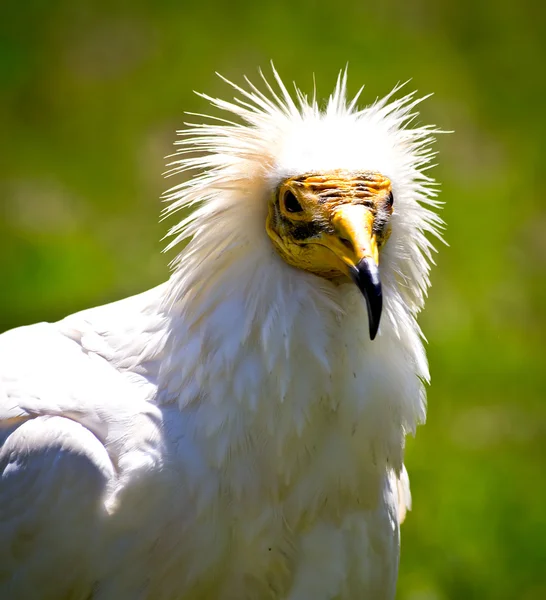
(366, 276)
(355, 244)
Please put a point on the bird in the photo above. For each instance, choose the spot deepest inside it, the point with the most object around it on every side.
(238, 431)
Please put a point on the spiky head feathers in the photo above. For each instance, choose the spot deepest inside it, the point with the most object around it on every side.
(277, 136)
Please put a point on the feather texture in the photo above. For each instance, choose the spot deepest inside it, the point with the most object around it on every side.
(232, 433)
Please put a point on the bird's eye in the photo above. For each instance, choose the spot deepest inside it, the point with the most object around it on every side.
(291, 203)
(389, 200)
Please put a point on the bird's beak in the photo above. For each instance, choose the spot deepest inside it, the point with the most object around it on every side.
(356, 246)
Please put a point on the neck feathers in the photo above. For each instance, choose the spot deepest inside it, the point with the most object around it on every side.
(259, 351)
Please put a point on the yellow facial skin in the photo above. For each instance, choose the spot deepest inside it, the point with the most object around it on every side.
(328, 223)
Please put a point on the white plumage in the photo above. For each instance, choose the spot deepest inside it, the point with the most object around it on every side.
(233, 433)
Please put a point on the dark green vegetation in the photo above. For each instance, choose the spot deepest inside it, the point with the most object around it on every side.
(91, 93)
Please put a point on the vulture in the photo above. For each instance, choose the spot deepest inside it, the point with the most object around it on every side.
(237, 433)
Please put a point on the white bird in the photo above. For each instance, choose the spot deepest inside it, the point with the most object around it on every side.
(235, 433)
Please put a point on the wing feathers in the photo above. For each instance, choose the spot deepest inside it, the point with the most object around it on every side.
(54, 477)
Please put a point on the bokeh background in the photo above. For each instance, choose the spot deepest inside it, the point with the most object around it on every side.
(91, 94)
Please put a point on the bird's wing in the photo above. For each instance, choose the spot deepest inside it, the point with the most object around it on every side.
(68, 419)
(85, 367)
(54, 475)
(54, 467)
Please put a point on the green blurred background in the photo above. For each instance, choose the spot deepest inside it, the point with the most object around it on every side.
(91, 95)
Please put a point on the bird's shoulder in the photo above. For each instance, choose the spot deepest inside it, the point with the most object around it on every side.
(74, 370)
(79, 360)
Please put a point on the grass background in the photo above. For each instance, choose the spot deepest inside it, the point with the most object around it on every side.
(90, 96)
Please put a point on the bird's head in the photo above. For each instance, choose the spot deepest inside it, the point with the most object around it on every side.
(341, 193)
(334, 224)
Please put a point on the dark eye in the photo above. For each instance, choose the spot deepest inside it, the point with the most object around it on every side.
(291, 203)
(389, 200)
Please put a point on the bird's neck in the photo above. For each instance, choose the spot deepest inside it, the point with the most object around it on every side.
(264, 354)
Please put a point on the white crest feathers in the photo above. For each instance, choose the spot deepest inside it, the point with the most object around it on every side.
(239, 164)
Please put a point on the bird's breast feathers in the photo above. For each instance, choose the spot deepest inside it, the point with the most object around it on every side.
(265, 444)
